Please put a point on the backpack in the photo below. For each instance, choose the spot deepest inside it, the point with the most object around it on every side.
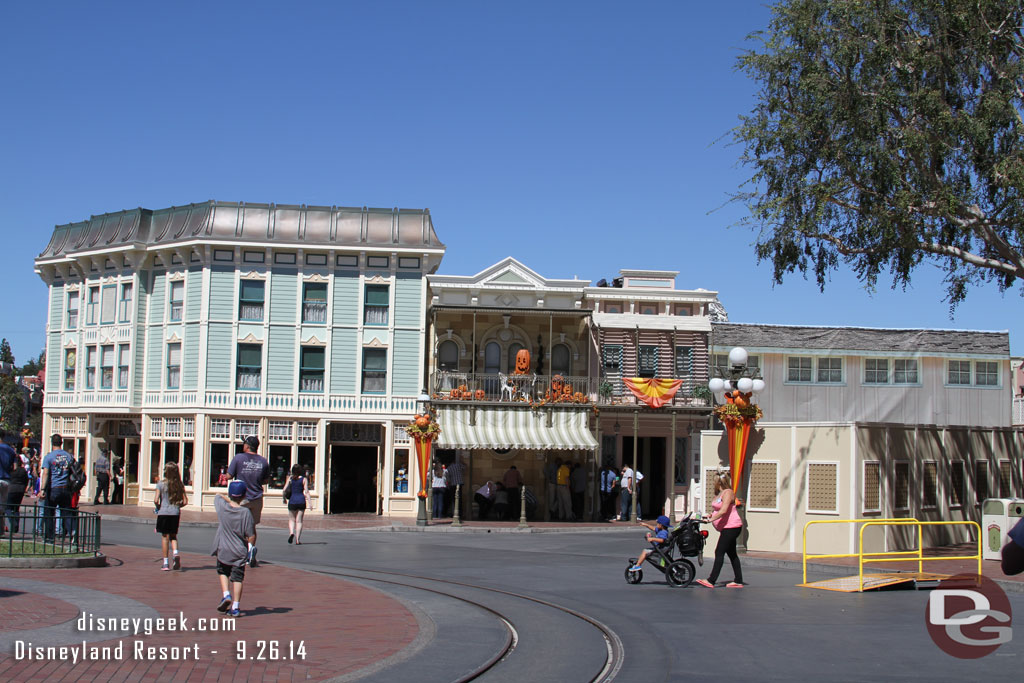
(76, 476)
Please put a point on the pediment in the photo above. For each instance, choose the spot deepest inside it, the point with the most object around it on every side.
(375, 344)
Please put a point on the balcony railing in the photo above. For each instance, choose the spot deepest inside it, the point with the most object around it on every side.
(1017, 415)
(558, 389)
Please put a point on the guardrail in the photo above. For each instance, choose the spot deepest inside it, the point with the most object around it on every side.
(860, 543)
(36, 529)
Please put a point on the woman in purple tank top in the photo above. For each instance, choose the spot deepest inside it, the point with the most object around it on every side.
(729, 524)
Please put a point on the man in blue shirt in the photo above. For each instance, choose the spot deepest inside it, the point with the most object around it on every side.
(55, 487)
(7, 458)
(253, 469)
(1013, 551)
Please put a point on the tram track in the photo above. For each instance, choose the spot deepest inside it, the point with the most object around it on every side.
(614, 650)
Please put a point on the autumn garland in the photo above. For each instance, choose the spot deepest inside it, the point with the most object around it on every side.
(730, 413)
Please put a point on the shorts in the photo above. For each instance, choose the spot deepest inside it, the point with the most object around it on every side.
(167, 524)
(296, 506)
(255, 506)
(233, 572)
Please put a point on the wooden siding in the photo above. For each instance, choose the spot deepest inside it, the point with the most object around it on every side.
(666, 351)
(57, 302)
(408, 299)
(55, 362)
(154, 358)
(280, 370)
(219, 361)
(343, 361)
(157, 297)
(283, 293)
(346, 298)
(139, 352)
(405, 363)
(223, 305)
(190, 358)
(194, 294)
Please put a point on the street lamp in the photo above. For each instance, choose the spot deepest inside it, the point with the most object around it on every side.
(422, 429)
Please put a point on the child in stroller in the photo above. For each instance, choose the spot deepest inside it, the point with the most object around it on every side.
(657, 540)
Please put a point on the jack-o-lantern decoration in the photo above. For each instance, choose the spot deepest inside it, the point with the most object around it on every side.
(422, 421)
(567, 390)
(740, 400)
(522, 362)
(480, 394)
(578, 397)
(557, 383)
(454, 393)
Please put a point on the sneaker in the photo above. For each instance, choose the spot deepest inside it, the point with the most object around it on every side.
(252, 558)
(705, 583)
(225, 603)
(733, 584)
(165, 568)
(176, 563)
(635, 568)
(234, 613)
(291, 537)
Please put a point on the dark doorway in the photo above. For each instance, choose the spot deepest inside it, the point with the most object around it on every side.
(651, 463)
(353, 473)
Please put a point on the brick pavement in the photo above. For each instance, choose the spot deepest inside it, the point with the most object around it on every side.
(343, 626)
(24, 611)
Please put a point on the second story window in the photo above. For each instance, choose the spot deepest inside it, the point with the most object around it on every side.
(314, 302)
(72, 310)
(959, 372)
(375, 371)
(107, 366)
(647, 362)
(125, 303)
(684, 361)
(986, 374)
(70, 358)
(448, 356)
(904, 371)
(375, 310)
(174, 365)
(90, 367)
(830, 370)
(123, 359)
(92, 306)
(561, 360)
(108, 309)
(311, 370)
(177, 302)
(876, 371)
(250, 300)
(250, 363)
(798, 369)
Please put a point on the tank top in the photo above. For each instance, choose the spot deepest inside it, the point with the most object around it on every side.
(729, 520)
(295, 495)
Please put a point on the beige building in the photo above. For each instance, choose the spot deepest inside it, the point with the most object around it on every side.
(863, 423)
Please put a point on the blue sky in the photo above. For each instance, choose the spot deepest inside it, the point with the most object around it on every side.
(578, 137)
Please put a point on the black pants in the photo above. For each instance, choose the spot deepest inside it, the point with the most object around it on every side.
(727, 546)
(117, 497)
(58, 497)
(102, 486)
(483, 505)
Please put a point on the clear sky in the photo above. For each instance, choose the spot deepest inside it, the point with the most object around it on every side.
(579, 137)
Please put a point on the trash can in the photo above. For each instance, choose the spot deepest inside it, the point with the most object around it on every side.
(998, 516)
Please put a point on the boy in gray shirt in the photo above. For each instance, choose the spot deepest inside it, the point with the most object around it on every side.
(235, 529)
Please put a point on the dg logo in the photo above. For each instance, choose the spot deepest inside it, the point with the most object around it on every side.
(968, 616)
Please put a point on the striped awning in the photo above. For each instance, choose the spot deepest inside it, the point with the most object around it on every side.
(514, 428)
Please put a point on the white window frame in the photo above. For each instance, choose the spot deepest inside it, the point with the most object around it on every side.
(818, 369)
(888, 372)
(995, 374)
(864, 482)
(917, 372)
(807, 487)
(176, 307)
(949, 373)
(800, 369)
(778, 494)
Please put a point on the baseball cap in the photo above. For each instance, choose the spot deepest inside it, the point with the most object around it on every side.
(663, 520)
(236, 489)
(252, 442)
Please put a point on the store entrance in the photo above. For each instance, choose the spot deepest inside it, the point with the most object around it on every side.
(651, 463)
(353, 485)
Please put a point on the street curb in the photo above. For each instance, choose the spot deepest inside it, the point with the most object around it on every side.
(44, 562)
(841, 570)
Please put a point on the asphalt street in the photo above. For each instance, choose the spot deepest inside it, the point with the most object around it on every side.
(472, 589)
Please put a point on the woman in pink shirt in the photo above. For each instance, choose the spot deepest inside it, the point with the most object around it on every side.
(726, 519)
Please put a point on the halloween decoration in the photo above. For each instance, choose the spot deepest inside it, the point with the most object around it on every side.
(522, 362)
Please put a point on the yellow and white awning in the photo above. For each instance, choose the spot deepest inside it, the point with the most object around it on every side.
(521, 428)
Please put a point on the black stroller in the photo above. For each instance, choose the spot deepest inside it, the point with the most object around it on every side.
(686, 540)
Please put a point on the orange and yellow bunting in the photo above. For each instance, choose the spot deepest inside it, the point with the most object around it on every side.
(653, 391)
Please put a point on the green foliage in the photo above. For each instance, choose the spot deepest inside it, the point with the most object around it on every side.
(12, 405)
(6, 355)
(888, 133)
(32, 368)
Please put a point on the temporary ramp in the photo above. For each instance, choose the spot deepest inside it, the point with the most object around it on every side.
(867, 582)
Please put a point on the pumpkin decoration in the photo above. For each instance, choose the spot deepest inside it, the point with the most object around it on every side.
(557, 382)
(454, 393)
(422, 421)
(578, 397)
(480, 394)
(740, 399)
(522, 362)
(567, 390)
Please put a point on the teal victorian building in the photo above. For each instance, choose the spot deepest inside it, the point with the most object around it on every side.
(175, 333)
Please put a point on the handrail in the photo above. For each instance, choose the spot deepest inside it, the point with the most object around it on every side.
(845, 521)
(920, 545)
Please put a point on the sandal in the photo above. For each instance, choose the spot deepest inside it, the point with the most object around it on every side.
(733, 584)
(705, 583)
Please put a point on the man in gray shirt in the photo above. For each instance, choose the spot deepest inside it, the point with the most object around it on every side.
(101, 470)
(235, 529)
(254, 471)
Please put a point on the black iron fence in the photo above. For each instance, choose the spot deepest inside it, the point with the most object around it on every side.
(40, 529)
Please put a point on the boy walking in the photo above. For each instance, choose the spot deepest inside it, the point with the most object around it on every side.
(235, 529)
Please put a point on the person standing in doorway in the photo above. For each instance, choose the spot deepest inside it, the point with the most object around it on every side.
(513, 481)
(253, 469)
(454, 475)
(564, 498)
(727, 520)
(101, 470)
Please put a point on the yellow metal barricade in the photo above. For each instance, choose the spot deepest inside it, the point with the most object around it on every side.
(921, 559)
(813, 522)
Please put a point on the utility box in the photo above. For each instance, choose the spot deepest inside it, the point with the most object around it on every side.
(998, 516)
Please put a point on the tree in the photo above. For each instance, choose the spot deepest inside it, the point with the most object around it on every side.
(886, 134)
(6, 355)
(12, 404)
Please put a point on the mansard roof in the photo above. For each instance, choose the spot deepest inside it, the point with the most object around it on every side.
(918, 341)
(328, 226)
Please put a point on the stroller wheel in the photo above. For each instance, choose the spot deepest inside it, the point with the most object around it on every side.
(680, 573)
(634, 577)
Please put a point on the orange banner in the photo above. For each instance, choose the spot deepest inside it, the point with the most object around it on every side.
(423, 444)
(653, 391)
